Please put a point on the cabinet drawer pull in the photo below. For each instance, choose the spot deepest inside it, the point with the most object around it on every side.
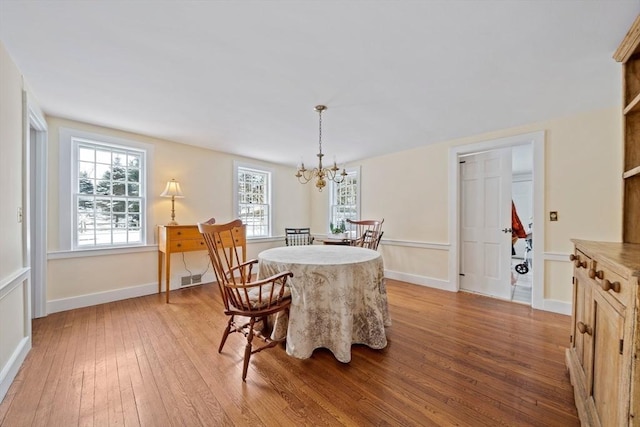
(179, 245)
(584, 328)
(608, 285)
(577, 262)
(179, 233)
(593, 273)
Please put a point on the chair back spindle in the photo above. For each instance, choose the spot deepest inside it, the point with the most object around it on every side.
(298, 236)
(367, 233)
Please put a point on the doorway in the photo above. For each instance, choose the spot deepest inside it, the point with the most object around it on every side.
(35, 204)
(495, 261)
(522, 196)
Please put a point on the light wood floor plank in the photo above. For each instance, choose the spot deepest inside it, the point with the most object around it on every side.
(88, 366)
(452, 359)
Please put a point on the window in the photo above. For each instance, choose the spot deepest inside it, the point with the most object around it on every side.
(345, 199)
(253, 199)
(106, 204)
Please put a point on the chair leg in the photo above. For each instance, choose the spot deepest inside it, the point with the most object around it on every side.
(225, 334)
(247, 349)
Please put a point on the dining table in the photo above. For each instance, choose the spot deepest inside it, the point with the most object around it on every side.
(338, 298)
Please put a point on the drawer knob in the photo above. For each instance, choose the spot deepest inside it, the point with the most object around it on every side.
(593, 273)
(584, 328)
(179, 233)
(572, 257)
(580, 264)
(179, 245)
(607, 285)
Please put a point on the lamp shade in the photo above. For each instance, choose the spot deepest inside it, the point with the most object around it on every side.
(172, 190)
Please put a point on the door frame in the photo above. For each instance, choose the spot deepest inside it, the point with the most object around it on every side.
(35, 204)
(536, 139)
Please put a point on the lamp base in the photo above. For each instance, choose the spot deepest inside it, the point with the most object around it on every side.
(172, 222)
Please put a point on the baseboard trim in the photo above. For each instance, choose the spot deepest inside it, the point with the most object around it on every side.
(10, 370)
(556, 306)
(553, 306)
(87, 300)
(420, 280)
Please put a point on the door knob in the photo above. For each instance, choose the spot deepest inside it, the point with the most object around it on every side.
(507, 230)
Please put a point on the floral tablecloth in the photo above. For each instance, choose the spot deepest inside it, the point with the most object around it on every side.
(338, 298)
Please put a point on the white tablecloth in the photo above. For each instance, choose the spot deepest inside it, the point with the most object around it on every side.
(338, 298)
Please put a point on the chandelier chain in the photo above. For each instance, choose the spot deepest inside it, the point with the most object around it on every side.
(320, 130)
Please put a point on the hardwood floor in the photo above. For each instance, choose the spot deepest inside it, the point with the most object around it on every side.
(452, 359)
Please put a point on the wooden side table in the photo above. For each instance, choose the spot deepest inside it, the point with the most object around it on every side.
(176, 239)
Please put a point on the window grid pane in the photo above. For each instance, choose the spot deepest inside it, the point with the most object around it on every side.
(344, 200)
(253, 201)
(107, 197)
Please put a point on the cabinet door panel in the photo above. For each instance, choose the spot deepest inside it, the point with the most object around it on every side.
(582, 312)
(607, 363)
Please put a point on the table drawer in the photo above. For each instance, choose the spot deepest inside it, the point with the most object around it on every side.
(183, 245)
(611, 283)
(183, 233)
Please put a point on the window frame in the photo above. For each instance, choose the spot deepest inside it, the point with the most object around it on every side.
(70, 139)
(333, 188)
(237, 167)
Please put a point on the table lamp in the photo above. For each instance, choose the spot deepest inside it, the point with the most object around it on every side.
(172, 190)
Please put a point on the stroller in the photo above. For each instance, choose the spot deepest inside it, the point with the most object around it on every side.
(523, 268)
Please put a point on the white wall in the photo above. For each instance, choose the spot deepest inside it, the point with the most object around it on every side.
(15, 319)
(582, 174)
(206, 179)
(416, 242)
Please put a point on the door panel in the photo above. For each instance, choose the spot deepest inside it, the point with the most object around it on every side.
(485, 211)
(607, 363)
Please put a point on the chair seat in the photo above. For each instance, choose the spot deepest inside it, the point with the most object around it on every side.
(258, 303)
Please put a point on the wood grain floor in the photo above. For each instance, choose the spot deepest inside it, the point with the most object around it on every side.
(452, 359)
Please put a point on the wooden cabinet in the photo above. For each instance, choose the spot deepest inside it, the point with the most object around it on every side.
(176, 239)
(628, 53)
(603, 356)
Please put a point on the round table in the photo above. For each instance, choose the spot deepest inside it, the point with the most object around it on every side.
(338, 298)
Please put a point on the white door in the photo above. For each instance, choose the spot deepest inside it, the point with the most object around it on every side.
(485, 223)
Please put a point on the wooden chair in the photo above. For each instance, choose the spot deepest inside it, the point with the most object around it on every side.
(298, 236)
(254, 300)
(367, 232)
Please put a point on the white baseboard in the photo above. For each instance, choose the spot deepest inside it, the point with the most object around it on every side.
(87, 300)
(555, 306)
(10, 370)
(420, 280)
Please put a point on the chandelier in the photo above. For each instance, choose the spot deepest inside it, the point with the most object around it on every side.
(320, 174)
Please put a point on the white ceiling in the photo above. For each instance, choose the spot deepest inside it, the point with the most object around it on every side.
(243, 76)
